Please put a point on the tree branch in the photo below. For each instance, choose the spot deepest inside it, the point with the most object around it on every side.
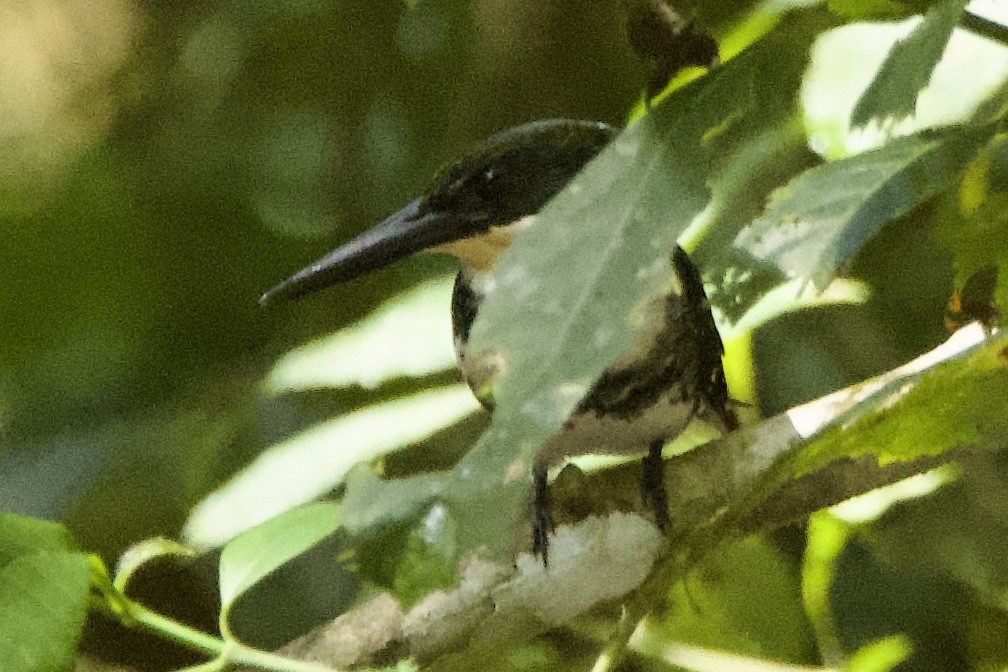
(742, 483)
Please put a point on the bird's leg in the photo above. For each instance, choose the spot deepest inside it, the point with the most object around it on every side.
(542, 522)
(653, 483)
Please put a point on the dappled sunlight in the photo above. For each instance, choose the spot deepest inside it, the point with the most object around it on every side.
(845, 60)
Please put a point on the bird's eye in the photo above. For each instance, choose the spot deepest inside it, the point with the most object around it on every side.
(488, 184)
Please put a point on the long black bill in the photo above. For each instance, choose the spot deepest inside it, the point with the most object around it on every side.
(407, 231)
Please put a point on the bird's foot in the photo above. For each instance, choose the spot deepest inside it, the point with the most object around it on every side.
(542, 521)
(653, 484)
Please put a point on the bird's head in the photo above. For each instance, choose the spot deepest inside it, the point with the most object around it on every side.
(470, 206)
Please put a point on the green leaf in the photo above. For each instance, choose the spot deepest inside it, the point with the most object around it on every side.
(822, 218)
(43, 602)
(406, 336)
(254, 554)
(963, 87)
(826, 536)
(314, 462)
(907, 68)
(952, 404)
(23, 535)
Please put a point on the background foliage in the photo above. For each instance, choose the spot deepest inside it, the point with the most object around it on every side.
(167, 162)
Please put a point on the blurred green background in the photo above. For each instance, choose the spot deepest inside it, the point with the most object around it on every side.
(168, 162)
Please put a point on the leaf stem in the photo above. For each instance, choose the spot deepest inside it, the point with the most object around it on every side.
(985, 27)
(613, 652)
(172, 629)
(226, 652)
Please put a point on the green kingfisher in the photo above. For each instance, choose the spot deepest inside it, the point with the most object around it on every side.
(640, 402)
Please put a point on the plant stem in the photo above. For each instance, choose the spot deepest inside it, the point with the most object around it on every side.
(172, 629)
(616, 647)
(227, 652)
(985, 27)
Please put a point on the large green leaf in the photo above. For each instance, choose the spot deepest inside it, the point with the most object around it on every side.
(43, 601)
(907, 68)
(822, 218)
(44, 585)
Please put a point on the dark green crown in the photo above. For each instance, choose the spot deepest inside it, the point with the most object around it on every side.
(515, 172)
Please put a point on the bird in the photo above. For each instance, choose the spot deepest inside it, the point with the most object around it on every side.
(640, 402)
